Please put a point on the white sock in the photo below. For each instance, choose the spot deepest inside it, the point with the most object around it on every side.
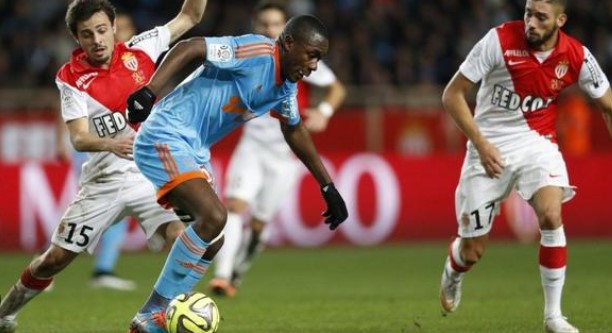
(224, 260)
(552, 284)
(552, 260)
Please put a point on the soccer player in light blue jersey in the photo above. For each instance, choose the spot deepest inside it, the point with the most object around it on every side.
(241, 78)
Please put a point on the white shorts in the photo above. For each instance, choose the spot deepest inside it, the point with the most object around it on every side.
(478, 197)
(98, 205)
(261, 177)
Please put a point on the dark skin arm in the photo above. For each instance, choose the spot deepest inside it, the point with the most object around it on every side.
(301, 144)
(180, 55)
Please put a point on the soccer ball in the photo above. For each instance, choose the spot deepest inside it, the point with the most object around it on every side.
(192, 312)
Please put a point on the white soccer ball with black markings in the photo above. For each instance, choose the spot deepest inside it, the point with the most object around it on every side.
(192, 312)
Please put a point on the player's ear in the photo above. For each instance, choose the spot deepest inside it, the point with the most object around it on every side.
(287, 42)
(561, 19)
(114, 25)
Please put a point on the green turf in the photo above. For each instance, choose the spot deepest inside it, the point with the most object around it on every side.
(341, 289)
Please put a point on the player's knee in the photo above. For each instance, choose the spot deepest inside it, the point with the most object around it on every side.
(257, 226)
(472, 252)
(550, 219)
(173, 230)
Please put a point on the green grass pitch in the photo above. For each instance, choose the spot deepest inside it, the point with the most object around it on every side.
(387, 289)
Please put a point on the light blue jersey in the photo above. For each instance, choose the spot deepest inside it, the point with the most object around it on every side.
(240, 80)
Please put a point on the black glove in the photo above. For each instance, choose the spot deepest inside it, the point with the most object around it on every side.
(336, 211)
(139, 105)
(183, 215)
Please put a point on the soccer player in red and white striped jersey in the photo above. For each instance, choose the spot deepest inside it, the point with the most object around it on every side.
(522, 67)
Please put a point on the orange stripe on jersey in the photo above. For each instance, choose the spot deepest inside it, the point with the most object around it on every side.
(255, 49)
(176, 181)
(277, 70)
(171, 161)
(163, 157)
(191, 245)
(253, 54)
(245, 47)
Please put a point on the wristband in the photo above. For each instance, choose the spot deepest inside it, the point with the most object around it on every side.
(326, 109)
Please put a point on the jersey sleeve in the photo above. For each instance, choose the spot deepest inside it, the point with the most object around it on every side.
(287, 110)
(234, 53)
(153, 42)
(322, 77)
(72, 101)
(592, 79)
(482, 58)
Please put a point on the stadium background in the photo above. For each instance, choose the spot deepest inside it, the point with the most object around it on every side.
(394, 153)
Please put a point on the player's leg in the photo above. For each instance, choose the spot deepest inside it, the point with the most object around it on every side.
(36, 276)
(544, 182)
(477, 201)
(78, 231)
(279, 177)
(547, 203)
(255, 243)
(107, 255)
(244, 181)
(192, 251)
(225, 260)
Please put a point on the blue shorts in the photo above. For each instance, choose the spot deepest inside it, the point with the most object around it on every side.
(167, 161)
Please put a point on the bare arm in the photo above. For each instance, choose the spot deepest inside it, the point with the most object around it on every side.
(191, 14)
(318, 118)
(84, 141)
(454, 102)
(180, 55)
(63, 153)
(301, 144)
(605, 105)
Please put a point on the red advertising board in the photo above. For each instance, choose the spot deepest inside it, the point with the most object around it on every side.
(390, 199)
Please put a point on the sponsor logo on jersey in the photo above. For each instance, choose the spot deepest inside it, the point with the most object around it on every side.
(512, 101)
(140, 38)
(516, 53)
(219, 52)
(82, 81)
(109, 124)
(561, 68)
(129, 61)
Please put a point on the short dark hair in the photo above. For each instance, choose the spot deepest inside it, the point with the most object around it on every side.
(560, 3)
(82, 10)
(268, 4)
(303, 27)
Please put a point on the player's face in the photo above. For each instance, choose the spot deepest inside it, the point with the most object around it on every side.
(301, 58)
(96, 37)
(124, 27)
(269, 23)
(542, 22)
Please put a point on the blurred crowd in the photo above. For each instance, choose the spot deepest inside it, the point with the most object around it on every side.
(374, 42)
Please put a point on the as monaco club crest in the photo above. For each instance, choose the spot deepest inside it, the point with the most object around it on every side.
(561, 69)
(130, 61)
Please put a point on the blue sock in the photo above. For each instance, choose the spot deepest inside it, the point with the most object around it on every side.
(183, 257)
(196, 274)
(109, 248)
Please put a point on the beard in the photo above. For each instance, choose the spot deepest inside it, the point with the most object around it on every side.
(536, 42)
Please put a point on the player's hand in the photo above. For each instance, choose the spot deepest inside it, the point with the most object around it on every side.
(315, 121)
(183, 215)
(123, 147)
(491, 159)
(336, 211)
(139, 105)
